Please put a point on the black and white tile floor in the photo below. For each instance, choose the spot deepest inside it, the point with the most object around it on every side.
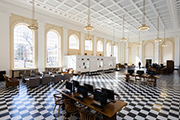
(161, 102)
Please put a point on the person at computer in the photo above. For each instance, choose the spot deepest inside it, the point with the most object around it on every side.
(147, 66)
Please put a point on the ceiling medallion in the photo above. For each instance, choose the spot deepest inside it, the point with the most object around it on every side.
(33, 26)
(89, 27)
(144, 26)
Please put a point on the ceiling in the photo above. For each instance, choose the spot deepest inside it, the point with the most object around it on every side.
(108, 13)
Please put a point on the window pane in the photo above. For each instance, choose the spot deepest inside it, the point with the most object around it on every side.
(88, 45)
(99, 46)
(23, 47)
(73, 42)
(52, 49)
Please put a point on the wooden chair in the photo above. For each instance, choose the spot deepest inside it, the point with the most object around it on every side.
(130, 80)
(144, 81)
(150, 81)
(70, 108)
(137, 79)
(10, 82)
(58, 101)
(86, 114)
(72, 72)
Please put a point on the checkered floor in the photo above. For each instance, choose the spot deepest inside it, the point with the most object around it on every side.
(161, 102)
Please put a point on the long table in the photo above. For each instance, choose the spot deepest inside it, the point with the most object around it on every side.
(142, 76)
(110, 109)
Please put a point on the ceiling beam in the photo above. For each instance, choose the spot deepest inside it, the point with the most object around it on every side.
(173, 13)
(155, 11)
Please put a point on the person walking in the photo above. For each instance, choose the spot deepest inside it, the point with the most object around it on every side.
(139, 65)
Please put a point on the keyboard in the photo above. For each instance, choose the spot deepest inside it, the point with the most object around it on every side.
(96, 105)
(65, 91)
(79, 98)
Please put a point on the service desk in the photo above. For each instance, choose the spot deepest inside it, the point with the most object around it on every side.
(110, 109)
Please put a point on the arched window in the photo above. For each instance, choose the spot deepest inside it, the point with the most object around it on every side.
(88, 45)
(53, 49)
(116, 52)
(73, 42)
(23, 47)
(108, 49)
(99, 46)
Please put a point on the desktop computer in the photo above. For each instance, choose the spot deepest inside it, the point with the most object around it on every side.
(110, 94)
(82, 90)
(89, 88)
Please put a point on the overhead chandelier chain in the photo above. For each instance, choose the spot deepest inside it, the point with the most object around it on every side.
(89, 12)
(123, 25)
(33, 10)
(123, 39)
(144, 26)
(144, 12)
(158, 26)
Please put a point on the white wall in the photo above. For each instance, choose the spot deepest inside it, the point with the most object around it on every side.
(4, 42)
(167, 52)
(148, 51)
(134, 54)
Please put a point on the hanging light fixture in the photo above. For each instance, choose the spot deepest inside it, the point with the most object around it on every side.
(123, 39)
(164, 44)
(158, 39)
(113, 37)
(139, 44)
(89, 27)
(33, 26)
(144, 26)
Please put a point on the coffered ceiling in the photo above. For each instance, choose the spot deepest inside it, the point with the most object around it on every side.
(108, 13)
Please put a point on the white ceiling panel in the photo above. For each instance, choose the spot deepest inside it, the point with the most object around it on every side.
(107, 13)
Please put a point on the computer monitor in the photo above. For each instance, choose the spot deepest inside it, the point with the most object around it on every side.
(89, 88)
(100, 97)
(130, 71)
(82, 90)
(110, 93)
(140, 72)
(75, 83)
(69, 85)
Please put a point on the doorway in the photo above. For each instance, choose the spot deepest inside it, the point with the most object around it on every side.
(149, 62)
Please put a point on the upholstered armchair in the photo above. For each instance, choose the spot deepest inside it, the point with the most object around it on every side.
(10, 82)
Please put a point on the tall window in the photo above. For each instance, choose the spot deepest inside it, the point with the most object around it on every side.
(99, 46)
(116, 52)
(23, 47)
(53, 49)
(73, 42)
(108, 49)
(88, 45)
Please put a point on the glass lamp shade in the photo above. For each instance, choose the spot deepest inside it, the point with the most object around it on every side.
(138, 44)
(158, 39)
(33, 27)
(144, 27)
(164, 44)
(123, 39)
(88, 28)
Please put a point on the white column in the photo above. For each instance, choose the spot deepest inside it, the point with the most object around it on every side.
(127, 53)
(65, 39)
(5, 42)
(140, 52)
(95, 46)
(105, 47)
(82, 43)
(122, 52)
(112, 50)
(41, 47)
(176, 52)
(156, 52)
(119, 52)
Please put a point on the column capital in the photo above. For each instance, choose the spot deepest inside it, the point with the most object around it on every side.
(65, 28)
(41, 22)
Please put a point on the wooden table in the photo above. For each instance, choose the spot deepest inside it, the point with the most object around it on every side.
(110, 109)
(142, 76)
